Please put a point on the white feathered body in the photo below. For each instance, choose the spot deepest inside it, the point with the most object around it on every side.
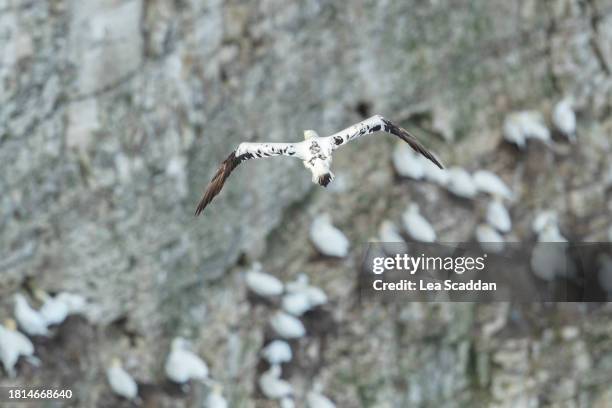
(13, 344)
(499, 217)
(328, 240)
(489, 238)
(417, 226)
(31, 321)
(277, 352)
(564, 118)
(272, 386)
(121, 382)
(183, 365)
(54, 310)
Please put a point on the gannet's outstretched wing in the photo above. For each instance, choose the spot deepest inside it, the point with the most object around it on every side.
(374, 124)
(245, 151)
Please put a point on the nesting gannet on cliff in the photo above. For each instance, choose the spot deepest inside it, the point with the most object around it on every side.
(461, 183)
(490, 183)
(13, 344)
(315, 152)
(489, 238)
(315, 295)
(120, 381)
(287, 402)
(498, 216)
(433, 173)
(417, 226)
(390, 238)
(215, 398)
(315, 399)
(73, 301)
(263, 284)
(53, 309)
(520, 126)
(296, 303)
(548, 258)
(272, 386)
(31, 321)
(287, 326)
(183, 365)
(277, 352)
(328, 239)
(542, 219)
(406, 162)
(564, 119)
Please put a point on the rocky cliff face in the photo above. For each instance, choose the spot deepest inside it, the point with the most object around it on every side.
(115, 113)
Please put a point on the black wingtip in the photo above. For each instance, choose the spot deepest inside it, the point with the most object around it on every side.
(325, 179)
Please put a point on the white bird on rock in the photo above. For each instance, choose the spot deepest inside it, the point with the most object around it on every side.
(183, 365)
(215, 398)
(433, 173)
(417, 226)
(263, 284)
(296, 303)
(31, 321)
(277, 352)
(53, 309)
(461, 183)
(534, 126)
(542, 219)
(489, 239)
(406, 162)
(120, 381)
(315, 295)
(564, 119)
(287, 402)
(315, 399)
(513, 131)
(315, 153)
(520, 126)
(390, 238)
(499, 217)
(490, 183)
(13, 344)
(272, 386)
(287, 326)
(328, 239)
(76, 303)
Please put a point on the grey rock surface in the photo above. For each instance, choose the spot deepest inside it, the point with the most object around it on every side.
(115, 113)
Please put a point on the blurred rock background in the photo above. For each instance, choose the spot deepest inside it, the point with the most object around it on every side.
(114, 114)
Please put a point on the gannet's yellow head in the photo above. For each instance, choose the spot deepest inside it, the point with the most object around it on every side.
(10, 324)
(309, 134)
(115, 362)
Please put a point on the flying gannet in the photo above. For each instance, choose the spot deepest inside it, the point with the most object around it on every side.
(315, 152)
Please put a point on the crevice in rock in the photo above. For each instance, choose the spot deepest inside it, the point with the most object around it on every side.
(594, 18)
